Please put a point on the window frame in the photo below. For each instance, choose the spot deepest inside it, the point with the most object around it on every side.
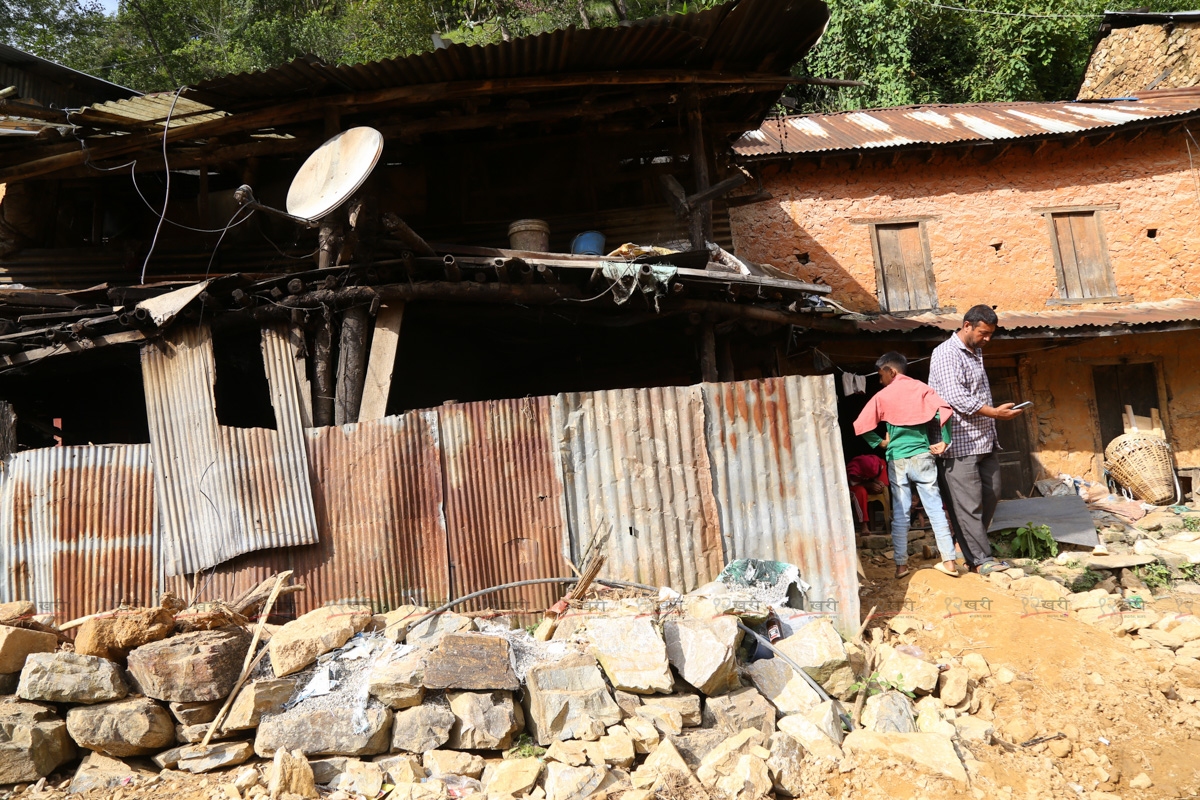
(1096, 211)
(876, 254)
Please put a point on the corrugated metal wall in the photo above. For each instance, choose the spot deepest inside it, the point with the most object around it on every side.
(504, 499)
(223, 491)
(780, 480)
(671, 482)
(79, 529)
(638, 483)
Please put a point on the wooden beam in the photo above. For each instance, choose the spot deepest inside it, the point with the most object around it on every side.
(700, 227)
(717, 189)
(296, 348)
(29, 356)
(674, 193)
(382, 362)
(323, 386)
(351, 368)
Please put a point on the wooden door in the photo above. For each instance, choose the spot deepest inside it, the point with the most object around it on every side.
(1016, 470)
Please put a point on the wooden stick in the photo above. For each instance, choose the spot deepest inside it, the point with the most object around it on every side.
(251, 660)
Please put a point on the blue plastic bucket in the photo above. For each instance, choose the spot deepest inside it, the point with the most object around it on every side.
(588, 243)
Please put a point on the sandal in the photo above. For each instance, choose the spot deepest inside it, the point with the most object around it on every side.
(941, 567)
(902, 571)
(992, 565)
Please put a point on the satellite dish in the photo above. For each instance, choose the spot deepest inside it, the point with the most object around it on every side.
(334, 172)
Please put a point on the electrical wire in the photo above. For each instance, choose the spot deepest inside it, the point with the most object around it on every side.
(136, 188)
(167, 195)
(1010, 13)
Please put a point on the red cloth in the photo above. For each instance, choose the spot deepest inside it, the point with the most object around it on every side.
(904, 401)
(866, 468)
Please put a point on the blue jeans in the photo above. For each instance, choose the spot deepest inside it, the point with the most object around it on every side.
(920, 471)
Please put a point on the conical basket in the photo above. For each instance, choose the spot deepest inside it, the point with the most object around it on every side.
(1142, 464)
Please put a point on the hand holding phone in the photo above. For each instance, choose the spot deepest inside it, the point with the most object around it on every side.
(1026, 404)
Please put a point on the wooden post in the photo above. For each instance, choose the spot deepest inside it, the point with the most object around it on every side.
(352, 354)
(323, 371)
(382, 362)
(700, 223)
(725, 360)
(708, 353)
(329, 236)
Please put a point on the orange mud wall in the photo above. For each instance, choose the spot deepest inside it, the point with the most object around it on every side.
(1059, 381)
(976, 207)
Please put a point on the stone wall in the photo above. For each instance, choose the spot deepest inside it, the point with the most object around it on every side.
(986, 243)
(1130, 61)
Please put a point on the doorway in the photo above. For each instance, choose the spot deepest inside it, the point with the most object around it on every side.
(1121, 385)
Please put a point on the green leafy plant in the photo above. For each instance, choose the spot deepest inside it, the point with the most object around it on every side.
(1191, 524)
(1190, 572)
(874, 685)
(525, 747)
(1086, 582)
(1155, 575)
(1034, 541)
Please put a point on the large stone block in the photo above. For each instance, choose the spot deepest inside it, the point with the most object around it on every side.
(256, 699)
(632, 653)
(452, 762)
(423, 727)
(819, 650)
(196, 713)
(17, 643)
(471, 661)
(193, 667)
(779, 683)
(33, 742)
(889, 712)
(333, 732)
(114, 635)
(70, 678)
(514, 777)
(399, 684)
(290, 774)
(908, 673)
(137, 726)
(704, 652)
(298, 643)
(931, 753)
(431, 631)
(484, 720)
(560, 694)
(739, 710)
(206, 758)
(98, 772)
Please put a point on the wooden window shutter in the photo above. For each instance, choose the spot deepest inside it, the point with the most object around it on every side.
(904, 274)
(1081, 256)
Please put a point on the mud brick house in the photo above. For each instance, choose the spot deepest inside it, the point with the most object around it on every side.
(1142, 51)
(1078, 221)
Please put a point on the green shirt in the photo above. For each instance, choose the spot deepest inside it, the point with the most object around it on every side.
(905, 441)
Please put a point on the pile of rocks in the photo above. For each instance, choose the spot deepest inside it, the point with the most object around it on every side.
(633, 698)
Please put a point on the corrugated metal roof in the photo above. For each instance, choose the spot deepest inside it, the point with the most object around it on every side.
(504, 499)
(780, 482)
(53, 84)
(79, 529)
(1178, 310)
(747, 35)
(223, 491)
(638, 484)
(947, 124)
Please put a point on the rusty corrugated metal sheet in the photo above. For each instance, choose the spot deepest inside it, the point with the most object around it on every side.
(79, 530)
(378, 492)
(948, 124)
(504, 499)
(745, 35)
(222, 491)
(638, 484)
(1176, 310)
(780, 481)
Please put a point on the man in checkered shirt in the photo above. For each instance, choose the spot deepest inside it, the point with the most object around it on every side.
(972, 469)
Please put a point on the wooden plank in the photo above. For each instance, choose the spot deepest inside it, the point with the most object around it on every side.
(1093, 277)
(895, 280)
(296, 346)
(916, 269)
(381, 364)
(29, 356)
(1066, 253)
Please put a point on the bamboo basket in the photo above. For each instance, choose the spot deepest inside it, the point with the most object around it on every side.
(1141, 462)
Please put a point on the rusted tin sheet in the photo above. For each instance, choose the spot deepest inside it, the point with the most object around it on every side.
(378, 492)
(1177, 310)
(504, 500)
(638, 484)
(780, 482)
(222, 491)
(948, 124)
(78, 529)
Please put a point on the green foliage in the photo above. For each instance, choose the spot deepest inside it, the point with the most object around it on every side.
(1191, 524)
(1086, 582)
(876, 685)
(1035, 542)
(525, 747)
(1190, 572)
(1154, 575)
(909, 52)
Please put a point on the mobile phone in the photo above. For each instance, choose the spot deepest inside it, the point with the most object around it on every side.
(1026, 404)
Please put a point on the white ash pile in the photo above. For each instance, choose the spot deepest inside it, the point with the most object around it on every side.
(634, 695)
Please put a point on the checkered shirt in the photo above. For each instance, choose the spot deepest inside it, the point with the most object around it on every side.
(956, 373)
